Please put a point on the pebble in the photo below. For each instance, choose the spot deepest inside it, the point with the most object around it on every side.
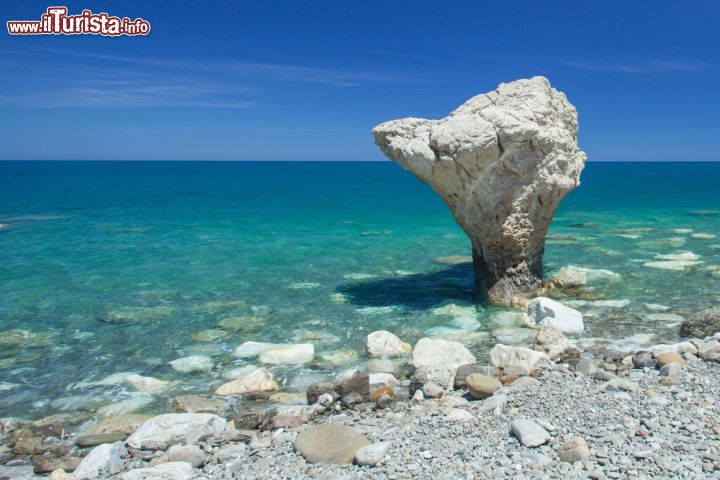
(529, 432)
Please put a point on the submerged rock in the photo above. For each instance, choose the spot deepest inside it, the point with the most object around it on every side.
(260, 380)
(385, 344)
(544, 311)
(502, 162)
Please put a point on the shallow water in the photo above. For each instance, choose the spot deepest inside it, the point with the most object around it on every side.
(116, 267)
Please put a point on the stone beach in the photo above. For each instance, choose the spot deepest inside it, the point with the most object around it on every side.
(597, 413)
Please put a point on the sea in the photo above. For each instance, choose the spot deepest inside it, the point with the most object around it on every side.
(109, 269)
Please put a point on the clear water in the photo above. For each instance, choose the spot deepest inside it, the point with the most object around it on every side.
(114, 267)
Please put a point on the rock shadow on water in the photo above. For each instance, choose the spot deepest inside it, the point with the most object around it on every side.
(418, 290)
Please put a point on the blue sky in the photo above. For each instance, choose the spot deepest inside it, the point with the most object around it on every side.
(292, 80)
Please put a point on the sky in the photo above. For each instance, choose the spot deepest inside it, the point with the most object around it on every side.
(295, 80)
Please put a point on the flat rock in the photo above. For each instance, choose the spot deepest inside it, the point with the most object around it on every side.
(125, 423)
(161, 431)
(164, 471)
(196, 404)
(330, 443)
(288, 354)
(48, 464)
(529, 432)
(91, 440)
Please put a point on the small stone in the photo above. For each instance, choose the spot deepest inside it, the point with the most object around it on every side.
(526, 382)
(529, 432)
(671, 370)
(573, 450)
(481, 386)
(58, 474)
(329, 443)
(375, 394)
(459, 415)
(586, 366)
(603, 375)
(191, 454)
(315, 390)
(371, 455)
(384, 401)
(620, 384)
(666, 358)
(353, 381)
(196, 404)
(283, 421)
(430, 390)
(464, 370)
(164, 430)
(644, 360)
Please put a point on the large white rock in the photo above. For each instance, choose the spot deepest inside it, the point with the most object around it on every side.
(288, 354)
(103, 460)
(545, 311)
(502, 356)
(164, 471)
(192, 364)
(259, 380)
(385, 344)
(502, 162)
(436, 361)
(161, 431)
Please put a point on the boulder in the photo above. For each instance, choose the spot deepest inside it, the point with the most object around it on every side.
(701, 324)
(523, 359)
(330, 443)
(192, 364)
(385, 344)
(259, 380)
(103, 460)
(288, 354)
(666, 358)
(502, 162)
(436, 361)
(552, 341)
(164, 471)
(161, 431)
(545, 311)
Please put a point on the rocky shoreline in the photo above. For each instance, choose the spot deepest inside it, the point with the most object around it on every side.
(547, 412)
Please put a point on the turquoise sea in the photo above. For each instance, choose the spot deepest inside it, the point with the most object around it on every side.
(115, 267)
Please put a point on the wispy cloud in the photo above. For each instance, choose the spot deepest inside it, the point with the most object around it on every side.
(646, 67)
(87, 79)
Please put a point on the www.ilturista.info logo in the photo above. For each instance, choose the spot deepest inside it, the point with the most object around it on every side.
(57, 22)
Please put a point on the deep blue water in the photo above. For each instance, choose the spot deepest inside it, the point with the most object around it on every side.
(110, 267)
